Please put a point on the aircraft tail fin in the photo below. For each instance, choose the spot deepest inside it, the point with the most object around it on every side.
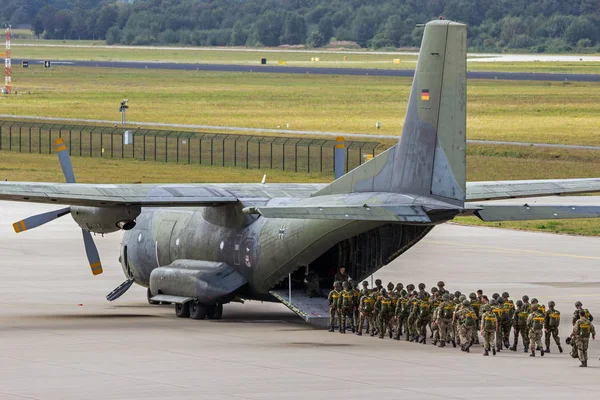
(430, 158)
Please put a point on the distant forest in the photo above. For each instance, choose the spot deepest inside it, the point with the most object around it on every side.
(494, 25)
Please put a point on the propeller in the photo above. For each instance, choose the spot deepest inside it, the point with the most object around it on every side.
(37, 220)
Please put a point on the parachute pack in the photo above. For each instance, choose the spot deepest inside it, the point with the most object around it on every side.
(554, 319)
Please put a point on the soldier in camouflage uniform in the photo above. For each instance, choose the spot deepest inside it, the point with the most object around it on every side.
(499, 312)
(520, 326)
(441, 288)
(334, 301)
(356, 297)
(399, 314)
(535, 324)
(444, 320)
(378, 285)
(466, 320)
(366, 308)
(476, 306)
(582, 330)
(423, 292)
(579, 307)
(411, 327)
(383, 306)
(488, 328)
(551, 324)
(508, 320)
(346, 307)
(423, 311)
(436, 300)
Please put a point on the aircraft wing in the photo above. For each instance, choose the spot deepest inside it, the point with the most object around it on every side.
(98, 195)
(478, 191)
(526, 212)
(391, 213)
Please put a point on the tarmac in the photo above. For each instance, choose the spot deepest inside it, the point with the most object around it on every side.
(274, 69)
(60, 338)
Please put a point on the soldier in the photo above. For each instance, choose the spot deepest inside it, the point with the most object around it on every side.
(411, 327)
(441, 286)
(457, 307)
(436, 300)
(551, 324)
(579, 307)
(476, 306)
(365, 289)
(356, 297)
(535, 324)
(541, 307)
(423, 317)
(366, 308)
(334, 300)
(467, 321)
(341, 275)
(378, 285)
(495, 296)
(383, 305)
(423, 292)
(526, 303)
(346, 307)
(313, 288)
(520, 326)
(444, 320)
(499, 312)
(582, 330)
(508, 314)
(398, 289)
(480, 295)
(488, 328)
(399, 314)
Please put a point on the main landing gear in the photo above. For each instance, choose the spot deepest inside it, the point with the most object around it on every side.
(196, 310)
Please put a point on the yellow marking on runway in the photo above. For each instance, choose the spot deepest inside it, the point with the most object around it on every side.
(514, 251)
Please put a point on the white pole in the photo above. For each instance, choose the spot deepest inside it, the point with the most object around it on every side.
(290, 288)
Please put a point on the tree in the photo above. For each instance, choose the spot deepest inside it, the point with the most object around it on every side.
(315, 39)
(294, 29)
(37, 27)
(239, 35)
(113, 35)
(268, 28)
(107, 17)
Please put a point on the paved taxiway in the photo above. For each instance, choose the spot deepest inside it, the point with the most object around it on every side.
(519, 76)
(59, 338)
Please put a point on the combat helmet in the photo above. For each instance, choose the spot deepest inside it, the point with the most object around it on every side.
(434, 289)
(337, 285)
(422, 286)
(457, 293)
(378, 282)
(352, 283)
(551, 304)
(525, 298)
(446, 297)
(462, 297)
(495, 296)
(472, 296)
(578, 304)
(519, 303)
(345, 285)
(534, 300)
(500, 300)
(534, 307)
(505, 295)
(399, 286)
(441, 284)
(365, 283)
(466, 303)
(494, 302)
(390, 286)
(403, 293)
(383, 292)
(410, 287)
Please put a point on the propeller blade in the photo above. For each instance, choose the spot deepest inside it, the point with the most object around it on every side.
(65, 160)
(120, 290)
(40, 219)
(92, 253)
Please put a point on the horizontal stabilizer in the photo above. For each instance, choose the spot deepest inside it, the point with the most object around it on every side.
(389, 213)
(526, 212)
(478, 191)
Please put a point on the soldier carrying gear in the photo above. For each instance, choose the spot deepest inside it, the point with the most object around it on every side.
(444, 320)
(551, 324)
(341, 275)
(423, 310)
(488, 328)
(356, 300)
(495, 296)
(466, 320)
(480, 295)
(383, 306)
(378, 285)
(399, 288)
(346, 307)
(365, 290)
(520, 326)
(334, 301)
(498, 310)
(579, 307)
(535, 324)
(366, 308)
(400, 314)
(476, 307)
(582, 330)
(507, 319)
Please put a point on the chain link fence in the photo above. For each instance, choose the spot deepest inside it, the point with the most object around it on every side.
(227, 150)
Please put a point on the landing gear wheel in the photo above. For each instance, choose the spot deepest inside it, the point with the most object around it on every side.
(197, 310)
(149, 296)
(182, 310)
(216, 311)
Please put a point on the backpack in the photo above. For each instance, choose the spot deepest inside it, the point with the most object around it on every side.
(347, 299)
(541, 308)
(448, 311)
(476, 306)
(522, 318)
(498, 312)
(554, 319)
(509, 306)
(385, 305)
(489, 322)
(470, 319)
(588, 316)
(584, 330)
(538, 322)
(424, 309)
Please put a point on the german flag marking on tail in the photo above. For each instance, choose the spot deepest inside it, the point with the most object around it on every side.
(19, 226)
(425, 94)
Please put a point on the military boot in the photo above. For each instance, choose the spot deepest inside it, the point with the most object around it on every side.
(532, 353)
(442, 343)
(359, 333)
(583, 364)
(560, 348)
(507, 344)
(514, 347)
(547, 350)
(542, 353)
(486, 352)
(453, 343)
(525, 349)
(372, 334)
(331, 328)
(493, 350)
(390, 334)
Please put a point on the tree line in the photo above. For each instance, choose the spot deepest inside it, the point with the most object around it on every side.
(494, 25)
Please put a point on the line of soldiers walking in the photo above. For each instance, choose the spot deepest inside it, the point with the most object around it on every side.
(454, 318)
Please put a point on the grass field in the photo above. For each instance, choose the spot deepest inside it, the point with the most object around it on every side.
(550, 112)
(96, 51)
(482, 165)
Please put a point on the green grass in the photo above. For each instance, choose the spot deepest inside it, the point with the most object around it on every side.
(550, 112)
(98, 52)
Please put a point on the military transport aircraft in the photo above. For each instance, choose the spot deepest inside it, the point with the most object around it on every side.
(203, 245)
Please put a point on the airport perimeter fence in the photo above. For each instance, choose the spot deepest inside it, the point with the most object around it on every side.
(228, 150)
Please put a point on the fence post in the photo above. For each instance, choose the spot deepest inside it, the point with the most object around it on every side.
(154, 147)
(10, 137)
(30, 141)
(211, 150)
(167, 148)
(223, 152)
(70, 141)
(235, 151)
(321, 158)
(200, 149)
(20, 138)
(247, 146)
(271, 158)
(296, 156)
(144, 147)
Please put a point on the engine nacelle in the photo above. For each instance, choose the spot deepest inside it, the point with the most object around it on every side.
(105, 219)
